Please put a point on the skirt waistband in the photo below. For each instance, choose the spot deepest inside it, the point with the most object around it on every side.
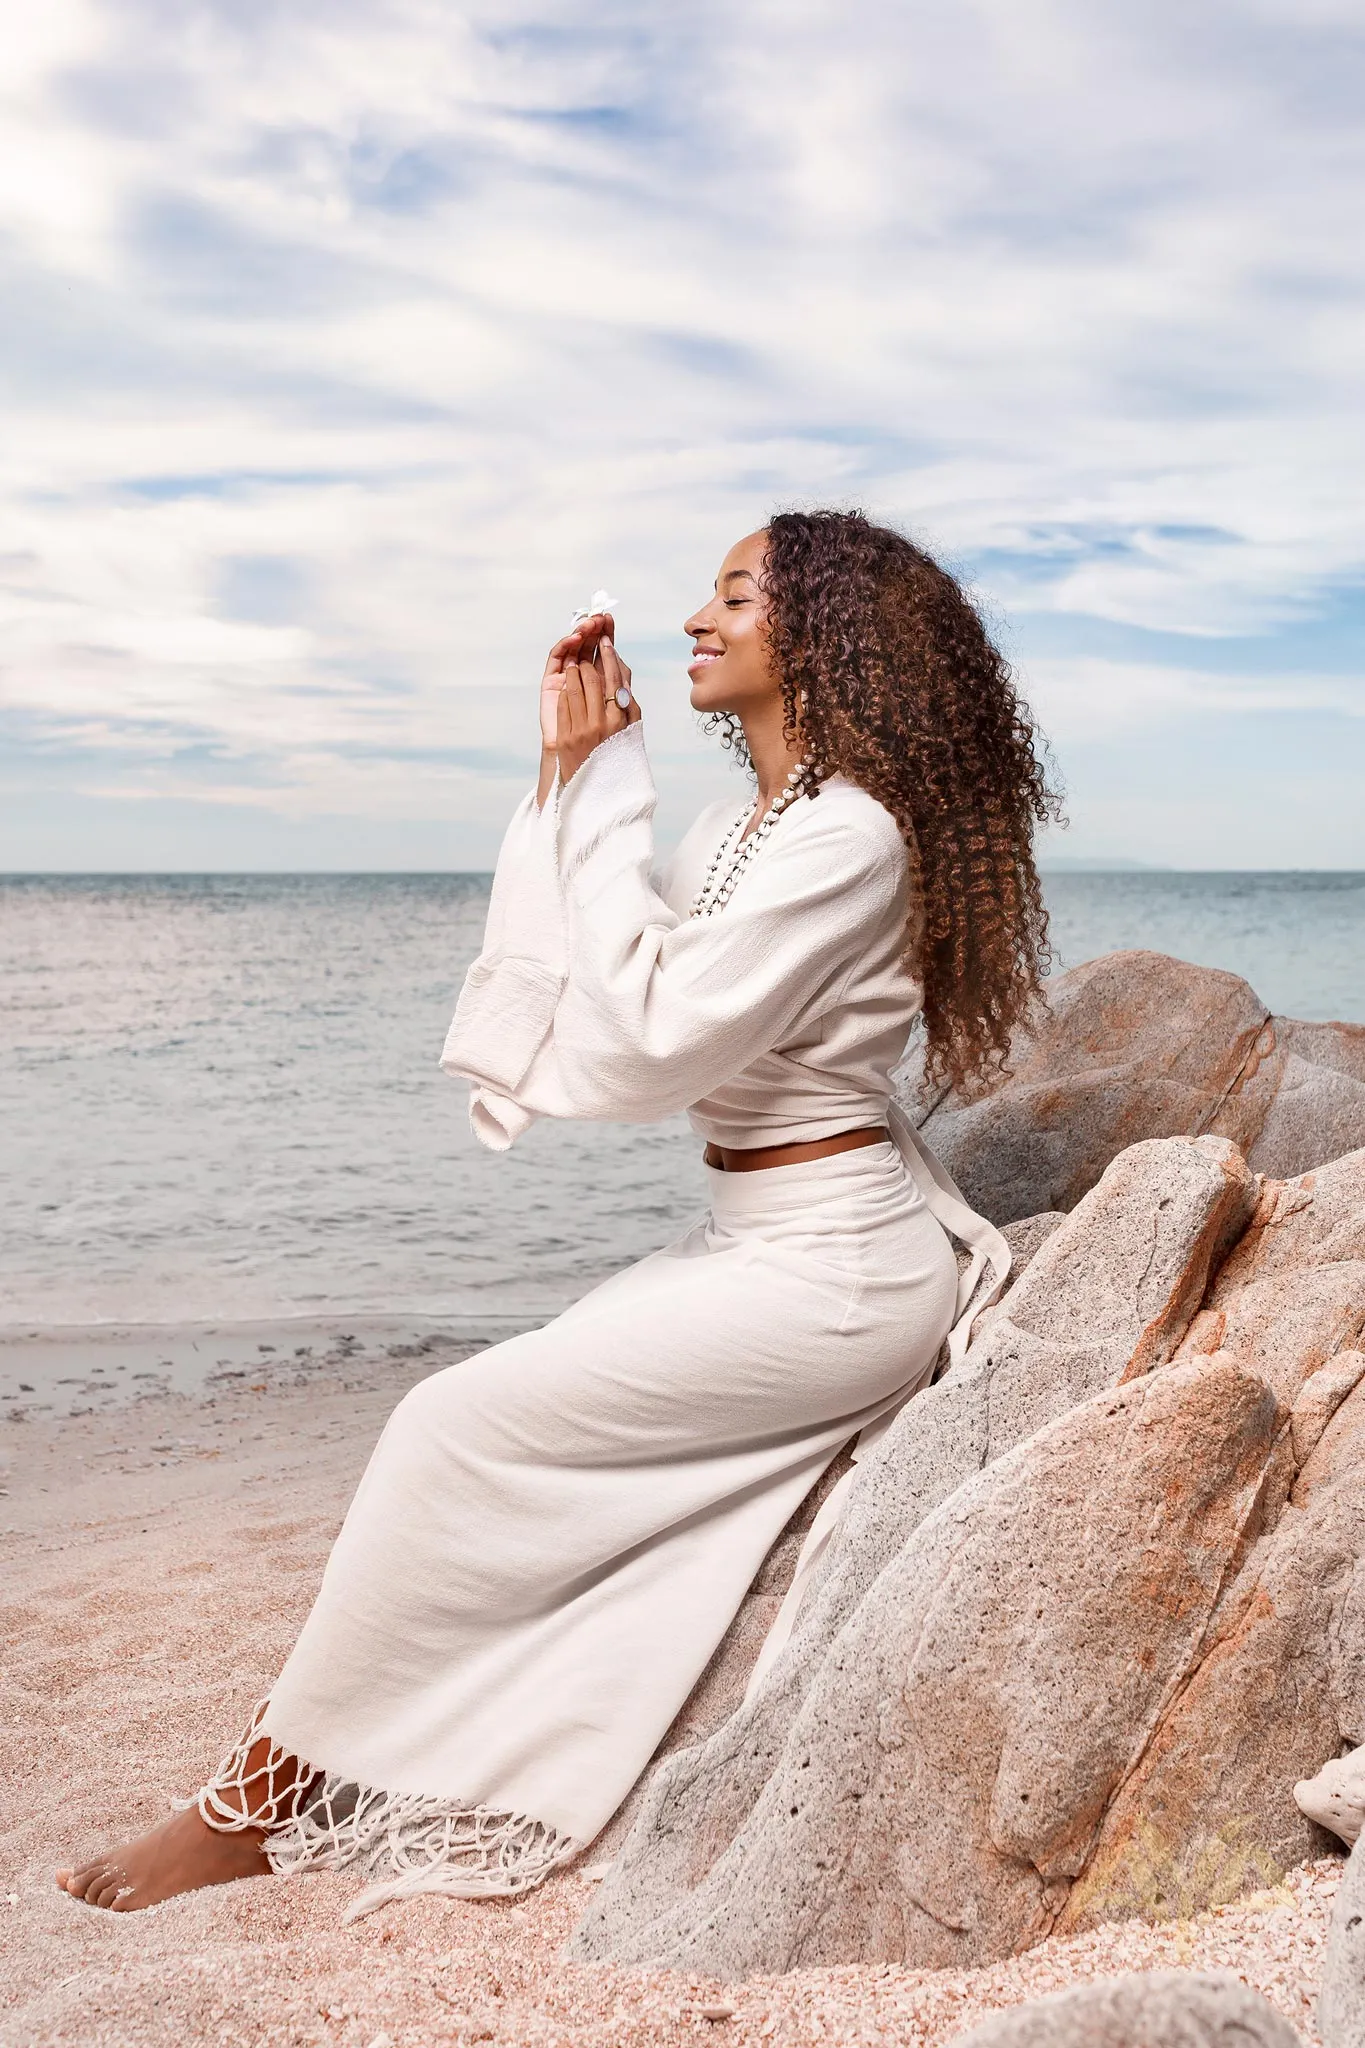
(810, 1183)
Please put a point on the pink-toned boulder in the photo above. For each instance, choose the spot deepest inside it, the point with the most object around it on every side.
(1111, 1287)
(1279, 1684)
(1316, 1107)
(939, 1790)
(1137, 1045)
(1292, 1294)
(1097, 1606)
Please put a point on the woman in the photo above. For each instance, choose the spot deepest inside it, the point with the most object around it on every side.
(552, 1537)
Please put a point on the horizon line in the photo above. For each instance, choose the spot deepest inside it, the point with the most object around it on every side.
(1076, 866)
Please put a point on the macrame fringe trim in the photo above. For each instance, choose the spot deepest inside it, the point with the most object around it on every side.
(405, 1842)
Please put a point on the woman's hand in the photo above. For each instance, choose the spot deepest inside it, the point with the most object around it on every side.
(582, 639)
(577, 646)
(588, 710)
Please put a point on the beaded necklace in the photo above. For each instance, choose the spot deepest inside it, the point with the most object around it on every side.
(735, 852)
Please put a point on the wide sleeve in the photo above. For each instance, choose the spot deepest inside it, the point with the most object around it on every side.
(633, 1012)
(509, 995)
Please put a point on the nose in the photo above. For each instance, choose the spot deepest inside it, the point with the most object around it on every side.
(700, 622)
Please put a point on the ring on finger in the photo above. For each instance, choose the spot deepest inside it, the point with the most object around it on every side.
(623, 697)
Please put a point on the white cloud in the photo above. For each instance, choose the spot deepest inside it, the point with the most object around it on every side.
(451, 316)
(1081, 701)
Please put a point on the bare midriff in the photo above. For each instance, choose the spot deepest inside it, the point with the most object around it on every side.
(755, 1158)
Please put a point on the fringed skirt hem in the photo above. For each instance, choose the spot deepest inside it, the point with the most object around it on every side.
(404, 1842)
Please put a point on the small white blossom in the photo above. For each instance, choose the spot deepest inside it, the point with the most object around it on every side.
(600, 601)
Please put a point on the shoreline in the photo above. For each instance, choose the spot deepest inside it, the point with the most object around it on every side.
(53, 1369)
(160, 1555)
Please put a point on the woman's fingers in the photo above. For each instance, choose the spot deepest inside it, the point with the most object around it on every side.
(581, 703)
(594, 689)
(582, 716)
(587, 707)
(574, 646)
(616, 677)
(552, 684)
(615, 682)
(581, 639)
(573, 713)
(562, 651)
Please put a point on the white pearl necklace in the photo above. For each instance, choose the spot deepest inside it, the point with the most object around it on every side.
(735, 852)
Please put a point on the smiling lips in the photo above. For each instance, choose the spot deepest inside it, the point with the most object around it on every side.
(701, 656)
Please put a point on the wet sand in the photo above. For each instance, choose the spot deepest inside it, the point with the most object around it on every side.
(158, 1555)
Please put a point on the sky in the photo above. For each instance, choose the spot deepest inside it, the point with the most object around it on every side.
(347, 347)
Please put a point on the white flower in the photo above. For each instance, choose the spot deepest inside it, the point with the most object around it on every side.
(600, 601)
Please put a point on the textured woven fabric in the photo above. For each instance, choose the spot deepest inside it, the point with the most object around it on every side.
(552, 1537)
(596, 994)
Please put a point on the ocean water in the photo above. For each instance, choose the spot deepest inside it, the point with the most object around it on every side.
(219, 1097)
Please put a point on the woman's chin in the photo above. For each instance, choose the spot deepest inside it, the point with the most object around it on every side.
(710, 701)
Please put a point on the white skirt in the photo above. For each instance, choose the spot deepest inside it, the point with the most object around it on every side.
(553, 1536)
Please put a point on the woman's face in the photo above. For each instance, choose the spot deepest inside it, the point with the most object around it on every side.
(732, 667)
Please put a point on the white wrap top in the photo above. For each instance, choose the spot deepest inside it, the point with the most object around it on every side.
(776, 1020)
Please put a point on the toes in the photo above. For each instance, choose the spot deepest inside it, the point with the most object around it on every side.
(88, 1883)
(106, 1894)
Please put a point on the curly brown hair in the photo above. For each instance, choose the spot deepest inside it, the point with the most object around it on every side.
(890, 678)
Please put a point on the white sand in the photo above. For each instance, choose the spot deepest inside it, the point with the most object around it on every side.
(156, 1562)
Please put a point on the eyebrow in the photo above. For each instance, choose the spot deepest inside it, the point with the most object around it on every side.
(731, 574)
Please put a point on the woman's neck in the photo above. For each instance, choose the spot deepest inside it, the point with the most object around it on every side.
(771, 754)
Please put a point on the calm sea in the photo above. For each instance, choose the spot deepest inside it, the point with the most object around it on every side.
(219, 1096)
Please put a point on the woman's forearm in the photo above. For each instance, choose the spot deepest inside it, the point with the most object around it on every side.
(549, 768)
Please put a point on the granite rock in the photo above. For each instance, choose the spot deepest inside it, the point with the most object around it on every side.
(1107, 1292)
(947, 1771)
(1212, 1806)
(1136, 1045)
(1316, 1110)
(1292, 1293)
(1209, 1809)
(1151, 2009)
(1067, 1656)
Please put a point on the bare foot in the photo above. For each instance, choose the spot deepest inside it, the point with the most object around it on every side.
(181, 1856)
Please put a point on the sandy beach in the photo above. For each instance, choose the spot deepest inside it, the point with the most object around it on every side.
(158, 1556)
(591, 594)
